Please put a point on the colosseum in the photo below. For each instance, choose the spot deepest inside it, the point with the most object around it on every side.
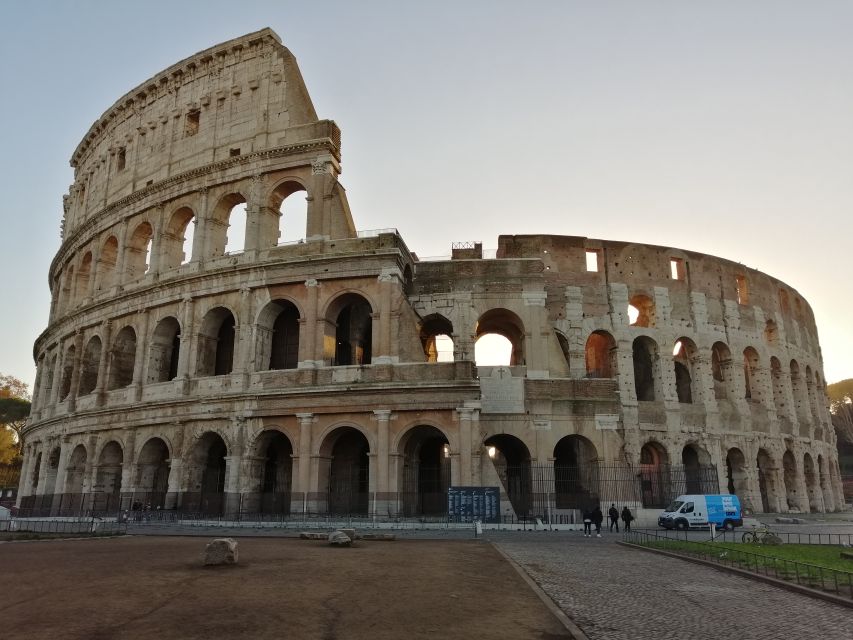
(223, 340)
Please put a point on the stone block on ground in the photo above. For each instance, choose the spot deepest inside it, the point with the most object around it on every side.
(350, 533)
(340, 539)
(221, 551)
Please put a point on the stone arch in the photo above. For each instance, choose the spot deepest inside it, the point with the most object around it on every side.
(642, 309)
(697, 470)
(753, 387)
(646, 364)
(107, 268)
(685, 357)
(68, 301)
(777, 378)
(277, 341)
(89, 366)
(563, 341)
(825, 484)
(575, 473)
(75, 472)
(737, 475)
(655, 481)
(721, 371)
(507, 324)
(177, 238)
(511, 459)
(771, 332)
(436, 335)
(123, 358)
(345, 478)
(600, 355)
(138, 251)
(799, 393)
(349, 330)
(271, 475)
(108, 487)
(812, 486)
(292, 211)
(216, 343)
(165, 350)
(152, 473)
(767, 488)
(425, 471)
(221, 221)
(84, 276)
(790, 477)
(67, 372)
(49, 379)
(206, 468)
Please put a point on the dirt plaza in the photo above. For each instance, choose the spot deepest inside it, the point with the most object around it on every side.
(147, 587)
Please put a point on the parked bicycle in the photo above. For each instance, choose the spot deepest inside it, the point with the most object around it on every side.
(758, 536)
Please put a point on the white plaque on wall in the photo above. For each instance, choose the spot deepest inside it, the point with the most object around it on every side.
(501, 393)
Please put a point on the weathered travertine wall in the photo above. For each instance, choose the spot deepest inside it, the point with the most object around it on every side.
(302, 376)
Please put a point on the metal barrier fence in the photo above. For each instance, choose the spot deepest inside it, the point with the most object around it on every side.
(788, 537)
(77, 526)
(808, 575)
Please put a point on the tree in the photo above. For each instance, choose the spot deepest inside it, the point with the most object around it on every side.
(13, 416)
(9, 452)
(841, 407)
(11, 387)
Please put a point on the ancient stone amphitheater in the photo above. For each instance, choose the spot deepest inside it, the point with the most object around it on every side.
(195, 360)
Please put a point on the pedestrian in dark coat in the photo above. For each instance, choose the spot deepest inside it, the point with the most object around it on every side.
(597, 519)
(627, 516)
(587, 522)
(614, 518)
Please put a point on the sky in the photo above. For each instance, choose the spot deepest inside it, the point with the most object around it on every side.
(724, 128)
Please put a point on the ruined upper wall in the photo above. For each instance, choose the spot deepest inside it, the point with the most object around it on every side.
(235, 98)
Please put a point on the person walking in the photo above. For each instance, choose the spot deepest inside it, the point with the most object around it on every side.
(627, 516)
(614, 517)
(597, 519)
(587, 523)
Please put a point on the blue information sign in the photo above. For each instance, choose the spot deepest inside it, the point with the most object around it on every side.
(467, 504)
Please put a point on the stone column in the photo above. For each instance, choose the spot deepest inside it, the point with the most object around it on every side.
(303, 485)
(61, 473)
(468, 420)
(156, 255)
(383, 495)
(536, 338)
(139, 357)
(185, 354)
(310, 355)
(120, 274)
(128, 466)
(57, 374)
(106, 348)
(388, 279)
(575, 334)
(243, 351)
(199, 249)
(42, 478)
(173, 489)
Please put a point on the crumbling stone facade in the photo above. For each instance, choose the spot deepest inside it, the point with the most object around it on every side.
(305, 376)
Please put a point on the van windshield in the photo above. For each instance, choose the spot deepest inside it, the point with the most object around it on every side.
(675, 505)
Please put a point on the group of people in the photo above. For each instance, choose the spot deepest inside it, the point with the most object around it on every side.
(594, 517)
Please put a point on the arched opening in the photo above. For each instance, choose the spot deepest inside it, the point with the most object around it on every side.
(641, 311)
(123, 359)
(138, 251)
(491, 351)
(216, 343)
(736, 475)
(778, 383)
(47, 394)
(645, 352)
(34, 477)
(152, 474)
(107, 490)
(811, 484)
(278, 336)
(771, 332)
(348, 476)
(789, 476)
(435, 334)
(227, 232)
(511, 460)
(107, 264)
(350, 317)
(684, 357)
(74, 474)
(67, 372)
(655, 483)
(89, 366)
(293, 212)
(426, 472)
(751, 366)
(52, 469)
(84, 274)
(178, 239)
(564, 348)
(798, 390)
(165, 351)
(600, 355)
(206, 475)
(68, 301)
(721, 370)
(274, 472)
(766, 481)
(825, 485)
(575, 473)
(699, 473)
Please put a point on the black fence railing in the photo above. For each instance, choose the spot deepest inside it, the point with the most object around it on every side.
(816, 577)
(76, 526)
(787, 537)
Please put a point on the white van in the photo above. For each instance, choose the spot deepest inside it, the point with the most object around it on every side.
(688, 511)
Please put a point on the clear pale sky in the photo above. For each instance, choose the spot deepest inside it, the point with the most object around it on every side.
(724, 127)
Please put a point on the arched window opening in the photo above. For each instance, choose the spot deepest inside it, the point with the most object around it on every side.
(165, 351)
(216, 343)
(285, 338)
(766, 481)
(492, 351)
(511, 460)
(575, 473)
(89, 366)
(655, 482)
(736, 475)
(700, 476)
(74, 474)
(107, 264)
(812, 486)
(789, 476)
(645, 352)
(771, 332)
(138, 251)
(600, 355)
(227, 226)
(123, 358)
(34, 478)
(721, 363)
(564, 347)
(107, 488)
(178, 239)
(273, 473)
(752, 390)
(798, 389)
(425, 472)
(348, 484)
(351, 318)
(436, 332)
(153, 474)
(84, 275)
(684, 357)
(67, 372)
(47, 394)
(641, 311)
(206, 475)
(293, 210)
(235, 237)
(68, 289)
(778, 382)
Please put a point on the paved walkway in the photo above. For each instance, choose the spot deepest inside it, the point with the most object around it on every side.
(613, 592)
